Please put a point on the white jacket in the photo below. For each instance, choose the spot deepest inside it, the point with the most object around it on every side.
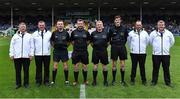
(138, 42)
(21, 47)
(42, 46)
(161, 45)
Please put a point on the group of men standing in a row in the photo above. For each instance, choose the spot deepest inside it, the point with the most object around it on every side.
(24, 46)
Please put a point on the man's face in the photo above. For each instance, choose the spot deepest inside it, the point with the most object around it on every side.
(41, 26)
(117, 21)
(80, 24)
(22, 27)
(138, 25)
(60, 25)
(99, 25)
(161, 26)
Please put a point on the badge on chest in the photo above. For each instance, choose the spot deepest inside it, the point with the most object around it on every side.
(63, 37)
(122, 33)
(84, 35)
(104, 36)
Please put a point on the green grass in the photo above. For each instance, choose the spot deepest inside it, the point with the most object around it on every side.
(7, 80)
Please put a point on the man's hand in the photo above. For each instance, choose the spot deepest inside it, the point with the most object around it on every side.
(30, 58)
(72, 42)
(12, 57)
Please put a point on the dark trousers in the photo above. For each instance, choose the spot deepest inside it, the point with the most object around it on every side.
(141, 59)
(19, 63)
(157, 60)
(40, 62)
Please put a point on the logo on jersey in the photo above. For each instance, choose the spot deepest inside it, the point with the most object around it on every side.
(122, 33)
(84, 35)
(104, 36)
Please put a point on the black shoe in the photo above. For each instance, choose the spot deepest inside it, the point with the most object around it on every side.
(26, 86)
(18, 86)
(47, 84)
(144, 83)
(113, 83)
(86, 83)
(153, 83)
(75, 83)
(38, 84)
(106, 83)
(169, 85)
(132, 83)
(94, 83)
(52, 84)
(67, 83)
(123, 83)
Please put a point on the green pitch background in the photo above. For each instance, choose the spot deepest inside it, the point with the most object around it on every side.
(7, 80)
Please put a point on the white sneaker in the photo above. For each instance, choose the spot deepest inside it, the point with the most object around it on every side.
(67, 83)
(52, 83)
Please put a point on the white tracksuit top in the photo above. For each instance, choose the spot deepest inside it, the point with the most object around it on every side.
(138, 42)
(161, 44)
(42, 46)
(21, 46)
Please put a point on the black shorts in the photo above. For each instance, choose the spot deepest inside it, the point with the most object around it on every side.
(100, 55)
(80, 56)
(60, 55)
(118, 51)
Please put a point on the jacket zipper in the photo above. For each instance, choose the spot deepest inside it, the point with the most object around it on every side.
(42, 45)
(162, 45)
(139, 42)
(22, 46)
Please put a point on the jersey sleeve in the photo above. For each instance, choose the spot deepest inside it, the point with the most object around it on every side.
(88, 36)
(52, 39)
(126, 34)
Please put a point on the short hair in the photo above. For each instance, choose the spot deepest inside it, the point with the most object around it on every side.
(22, 23)
(80, 20)
(161, 21)
(138, 21)
(99, 21)
(59, 21)
(117, 16)
(41, 21)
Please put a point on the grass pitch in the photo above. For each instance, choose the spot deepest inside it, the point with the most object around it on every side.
(7, 80)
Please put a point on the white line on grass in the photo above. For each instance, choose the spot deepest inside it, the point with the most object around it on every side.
(82, 91)
(69, 54)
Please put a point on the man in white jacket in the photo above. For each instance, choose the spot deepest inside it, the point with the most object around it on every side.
(21, 51)
(42, 51)
(138, 40)
(161, 40)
